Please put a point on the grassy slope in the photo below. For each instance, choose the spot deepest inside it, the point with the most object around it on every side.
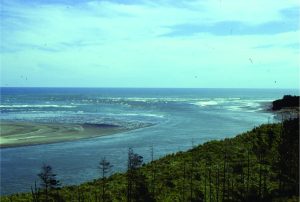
(205, 163)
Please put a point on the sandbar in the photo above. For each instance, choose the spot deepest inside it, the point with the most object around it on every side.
(15, 134)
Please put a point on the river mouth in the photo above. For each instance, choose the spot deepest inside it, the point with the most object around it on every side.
(178, 119)
(17, 134)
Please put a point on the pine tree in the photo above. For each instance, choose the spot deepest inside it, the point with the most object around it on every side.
(218, 183)
(205, 183)
(104, 167)
(153, 170)
(136, 182)
(209, 179)
(35, 193)
(248, 171)
(48, 179)
(224, 177)
(183, 180)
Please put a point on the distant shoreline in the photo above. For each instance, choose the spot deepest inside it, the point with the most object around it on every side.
(18, 134)
(144, 88)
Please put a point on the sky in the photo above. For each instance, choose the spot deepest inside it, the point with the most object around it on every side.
(150, 43)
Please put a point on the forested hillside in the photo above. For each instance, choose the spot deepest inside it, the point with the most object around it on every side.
(259, 165)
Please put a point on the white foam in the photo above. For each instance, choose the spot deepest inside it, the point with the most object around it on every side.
(234, 108)
(137, 114)
(150, 99)
(206, 103)
(153, 115)
(36, 106)
(245, 105)
(233, 104)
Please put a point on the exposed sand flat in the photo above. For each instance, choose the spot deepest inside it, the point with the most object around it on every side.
(21, 134)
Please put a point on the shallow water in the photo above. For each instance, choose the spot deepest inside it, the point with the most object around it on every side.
(178, 118)
(15, 134)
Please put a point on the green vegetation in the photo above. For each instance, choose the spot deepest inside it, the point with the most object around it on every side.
(259, 165)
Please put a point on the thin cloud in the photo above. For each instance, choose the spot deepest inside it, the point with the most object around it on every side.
(120, 43)
(227, 28)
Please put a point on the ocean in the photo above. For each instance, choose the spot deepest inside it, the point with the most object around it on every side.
(174, 120)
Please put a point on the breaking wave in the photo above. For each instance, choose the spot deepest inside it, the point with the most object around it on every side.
(36, 106)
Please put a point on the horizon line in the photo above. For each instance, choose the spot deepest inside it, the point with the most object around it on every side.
(147, 87)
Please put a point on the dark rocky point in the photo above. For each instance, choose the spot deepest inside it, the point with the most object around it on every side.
(288, 101)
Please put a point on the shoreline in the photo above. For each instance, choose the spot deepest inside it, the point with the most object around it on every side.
(169, 167)
(19, 134)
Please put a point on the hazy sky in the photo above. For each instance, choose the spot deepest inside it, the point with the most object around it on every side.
(150, 43)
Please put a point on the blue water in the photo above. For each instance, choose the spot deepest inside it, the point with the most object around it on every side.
(177, 117)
